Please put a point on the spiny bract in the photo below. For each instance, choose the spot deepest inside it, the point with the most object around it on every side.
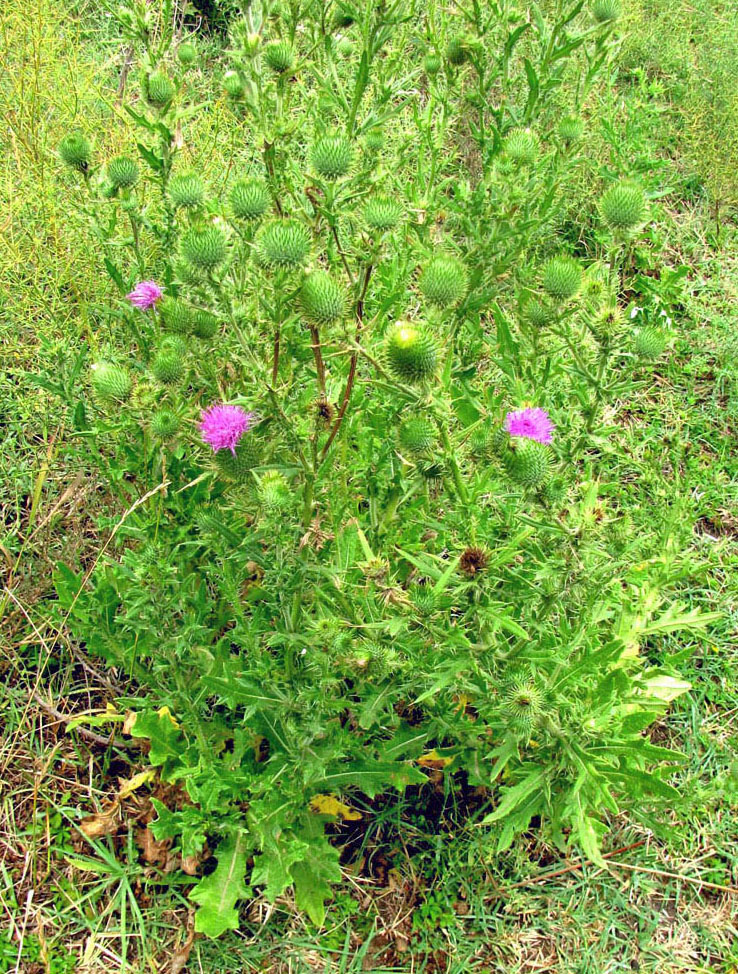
(159, 89)
(443, 281)
(123, 172)
(164, 424)
(382, 213)
(431, 65)
(651, 341)
(417, 434)
(75, 150)
(186, 190)
(238, 466)
(278, 56)
(111, 383)
(562, 278)
(571, 128)
(528, 462)
(187, 53)
(282, 243)
(331, 156)
(168, 366)
(411, 353)
(321, 298)
(536, 313)
(522, 145)
(233, 84)
(605, 10)
(249, 199)
(624, 206)
(204, 323)
(176, 316)
(204, 248)
(458, 50)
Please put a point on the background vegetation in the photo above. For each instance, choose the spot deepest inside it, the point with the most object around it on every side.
(427, 895)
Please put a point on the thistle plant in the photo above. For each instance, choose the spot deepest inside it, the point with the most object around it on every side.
(352, 343)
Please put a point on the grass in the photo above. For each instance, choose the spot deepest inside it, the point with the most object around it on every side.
(423, 890)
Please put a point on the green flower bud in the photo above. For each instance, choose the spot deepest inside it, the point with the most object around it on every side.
(523, 703)
(623, 207)
(424, 599)
(168, 366)
(562, 278)
(273, 491)
(458, 50)
(187, 54)
(321, 298)
(499, 441)
(431, 65)
(76, 151)
(410, 352)
(604, 11)
(331, 156)
(650, 341)
(374, 140)
(343, 18)
(111, 383)
(249, 199)
(528, 462)
(159, 89)
(187, 190)
(431, 469)
(554, 492)
(123, 172)
(233, 84)
(443, 281)
(187, 273)
(344, 47)
(282, 243)
(536, 313)
(164, 424)
(204, 323)
(278, 56)
(382, 213)
(417, 435)
(176, 316)
(571, 128)
(522, 146)
(480, 441)
(238, 466)
(204, 248)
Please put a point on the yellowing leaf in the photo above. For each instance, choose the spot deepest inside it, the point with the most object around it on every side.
(95, 826)
(166, 712)
(434, 760)
(330, 805)
(132, 784)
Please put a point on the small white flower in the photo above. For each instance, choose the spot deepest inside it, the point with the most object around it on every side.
(636, 310)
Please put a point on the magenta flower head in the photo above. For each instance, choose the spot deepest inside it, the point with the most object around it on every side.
(145, 295)
(223, 426)
(531, 423)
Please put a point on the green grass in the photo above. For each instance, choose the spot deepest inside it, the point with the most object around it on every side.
(423, 891)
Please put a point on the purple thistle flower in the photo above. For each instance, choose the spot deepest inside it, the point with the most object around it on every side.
(223, 426)
(145, 295)
(532, 423)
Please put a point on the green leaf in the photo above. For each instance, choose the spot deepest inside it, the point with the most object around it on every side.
(162, 733)
(313, 877)
(150, 158)
(272, 868)
(218, 893)
(515, 796)
(374, 777)
(589, 832)
(115, 275)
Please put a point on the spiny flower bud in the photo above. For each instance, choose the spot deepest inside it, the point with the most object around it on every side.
(431, 470)
(321, 298)
(382, 213)
(233, 84)
(187, 273)
(650, 341)
(554, 492)
(443, 282)
(176, 316)
(562, 278)
(123, 172)
(606, 320)
(424, 599)
(187, 54)
(624, 207)
(278, 56)
(537, 314)
(523, 703)
(343, 18)
(571, 128)
(480, 441)
(204, 323)
(528, 462)
(111, 383)
(344, 47)
(164, 424)
(431, 65)
(204, 248)
(168, 366)
(499, 441)
(417, 435)
(238, 466)
(187, 190)
(159, 89)
(249, 199)
(458, 50)
(282, 243)
(604, 11)
(522, 146)
(374, 140)
(331, 156)
(273, 490)
(411, 353)
(75, 150)
(174, 344)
